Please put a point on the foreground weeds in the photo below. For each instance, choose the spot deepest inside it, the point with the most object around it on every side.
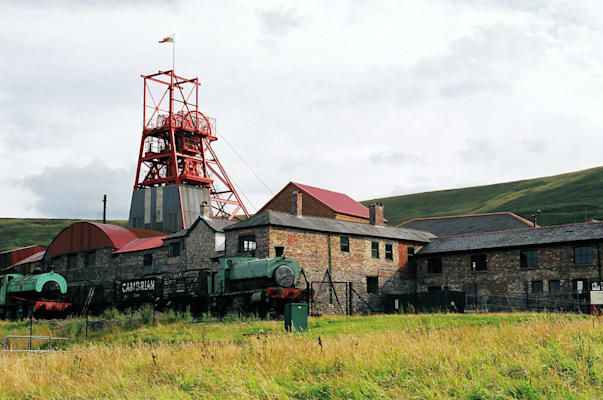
(407, 357)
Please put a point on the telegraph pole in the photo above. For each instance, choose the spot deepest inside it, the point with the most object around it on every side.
(104, 209)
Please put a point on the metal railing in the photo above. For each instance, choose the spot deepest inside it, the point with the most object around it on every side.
(6, 343)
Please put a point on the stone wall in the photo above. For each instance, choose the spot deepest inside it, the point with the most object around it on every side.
(319, 252)
(504, 273)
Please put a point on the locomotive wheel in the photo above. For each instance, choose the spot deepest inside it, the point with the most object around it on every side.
(238, 304)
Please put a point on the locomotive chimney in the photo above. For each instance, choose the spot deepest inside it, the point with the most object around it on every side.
(279, 251)
(296, 203)
(205, 209)
(376, 214)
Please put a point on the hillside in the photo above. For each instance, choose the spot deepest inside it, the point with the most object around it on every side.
(562, 199)
(21, 232)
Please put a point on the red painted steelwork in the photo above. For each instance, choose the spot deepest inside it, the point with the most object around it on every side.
(82, 236)
(51, 306)
(284, 293)
(176, 144)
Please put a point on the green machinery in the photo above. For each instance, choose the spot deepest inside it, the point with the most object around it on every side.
(38, 294)
(252, 284)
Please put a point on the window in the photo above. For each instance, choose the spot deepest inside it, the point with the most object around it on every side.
(479, 262)
(537, 287)
(375, 249)
(529, 259)
(174, 249)
(90, 259)
(583, 255)
(434, 288)
(147, 260)
(344, 244)
(434, 265)
(389, 251)
(372, 284)
(554, 286)
(247, 243)
(71, 261)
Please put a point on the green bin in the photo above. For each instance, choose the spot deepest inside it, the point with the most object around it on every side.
(296, 317)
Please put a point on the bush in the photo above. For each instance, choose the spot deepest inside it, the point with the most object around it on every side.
(111, 313)
(146, 313)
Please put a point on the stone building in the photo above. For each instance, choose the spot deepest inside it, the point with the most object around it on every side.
(556, 261)
(371, 256)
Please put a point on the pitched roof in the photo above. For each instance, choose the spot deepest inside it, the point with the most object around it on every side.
(338, 202)
(275, 218)
(20, 248)
(141, 244)
(515, 238)
(217, 225)
(466, 224)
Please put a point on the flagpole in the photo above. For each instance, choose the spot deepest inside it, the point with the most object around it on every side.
(173, 52)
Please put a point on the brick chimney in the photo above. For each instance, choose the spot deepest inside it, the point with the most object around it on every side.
(376, 214)
(205, 209)
(296, 203)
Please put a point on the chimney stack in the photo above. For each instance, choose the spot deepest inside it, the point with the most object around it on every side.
(205, 209)
(376, 214)
(296, 203)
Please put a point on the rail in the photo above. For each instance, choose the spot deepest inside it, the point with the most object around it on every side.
(6, 343)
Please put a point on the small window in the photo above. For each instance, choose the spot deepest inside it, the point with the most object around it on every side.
(537, 287)
(434, 265)
(147, 260)
(372, 284)
(479, 262)
(389, 251)
(529, 259)
(90, 259)
(344, 244)
(434, 288)
(247, 243)
(375, 249)
(554, 286)
(174, 249)
(71, 261)
(583, 255)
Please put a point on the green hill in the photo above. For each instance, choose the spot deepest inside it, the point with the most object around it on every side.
(565, 198)
(21, 232)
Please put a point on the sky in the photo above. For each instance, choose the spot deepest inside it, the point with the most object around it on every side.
(368, 98)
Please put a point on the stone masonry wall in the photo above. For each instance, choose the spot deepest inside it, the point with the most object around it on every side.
(504, 273)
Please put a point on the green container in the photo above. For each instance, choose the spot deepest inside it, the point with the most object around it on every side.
(296, 317)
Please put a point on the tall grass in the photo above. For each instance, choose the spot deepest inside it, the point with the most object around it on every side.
(500, 358)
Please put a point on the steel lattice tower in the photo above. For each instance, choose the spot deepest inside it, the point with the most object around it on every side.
(176, 159)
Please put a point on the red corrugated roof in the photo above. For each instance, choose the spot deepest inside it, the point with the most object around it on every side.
(33, 258)
(141, 244)
(83, 236)
(338, 202)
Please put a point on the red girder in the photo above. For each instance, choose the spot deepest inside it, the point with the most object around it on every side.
(176, 142)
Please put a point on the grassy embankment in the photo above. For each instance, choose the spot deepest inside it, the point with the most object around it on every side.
(497, 356)
(562, 199)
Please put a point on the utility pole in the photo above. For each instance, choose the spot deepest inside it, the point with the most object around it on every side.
(535, 217)
(104, 209)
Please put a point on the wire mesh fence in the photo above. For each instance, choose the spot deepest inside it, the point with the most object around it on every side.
(561, 301)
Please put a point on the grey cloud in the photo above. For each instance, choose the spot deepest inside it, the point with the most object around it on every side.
(279, 22)
(480, 150)
(76, 192)
(468, 88)
(391, 157)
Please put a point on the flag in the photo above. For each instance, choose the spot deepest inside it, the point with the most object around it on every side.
(168, 39)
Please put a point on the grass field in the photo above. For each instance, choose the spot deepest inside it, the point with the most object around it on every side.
(561, 198)
(490, 356)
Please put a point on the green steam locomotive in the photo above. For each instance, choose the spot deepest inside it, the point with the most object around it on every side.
(39, 295)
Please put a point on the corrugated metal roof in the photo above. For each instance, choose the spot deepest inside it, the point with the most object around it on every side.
(466, 224)
(33, 258)
(331, 225)
(515, 238)
(339, 202)
(141, 244)
(82, 236)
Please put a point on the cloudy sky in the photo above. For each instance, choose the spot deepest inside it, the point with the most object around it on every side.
(369, 98)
